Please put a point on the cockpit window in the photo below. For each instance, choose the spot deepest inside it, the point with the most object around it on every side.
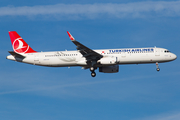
(166, 51)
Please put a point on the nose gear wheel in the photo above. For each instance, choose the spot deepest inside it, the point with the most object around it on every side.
(93, 74)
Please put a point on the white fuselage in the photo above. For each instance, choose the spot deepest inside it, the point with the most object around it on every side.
(75, 58)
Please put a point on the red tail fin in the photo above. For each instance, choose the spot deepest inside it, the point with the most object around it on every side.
(18, 44)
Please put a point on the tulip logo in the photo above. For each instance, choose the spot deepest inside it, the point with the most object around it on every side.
(19, 46)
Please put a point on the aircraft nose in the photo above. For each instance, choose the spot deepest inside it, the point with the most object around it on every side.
(174, 56)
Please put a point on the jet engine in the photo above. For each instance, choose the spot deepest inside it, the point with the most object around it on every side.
(109, 69)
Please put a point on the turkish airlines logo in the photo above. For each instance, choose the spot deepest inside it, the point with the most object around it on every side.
(19, 46)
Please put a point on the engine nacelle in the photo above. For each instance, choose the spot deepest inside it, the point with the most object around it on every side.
(109, 69)
(108, 60)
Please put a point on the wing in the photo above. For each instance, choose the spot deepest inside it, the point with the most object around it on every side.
(89, 54)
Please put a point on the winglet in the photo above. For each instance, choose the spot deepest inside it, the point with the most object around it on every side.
(70, 36)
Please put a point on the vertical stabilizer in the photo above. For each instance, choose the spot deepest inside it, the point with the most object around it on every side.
(18, 44)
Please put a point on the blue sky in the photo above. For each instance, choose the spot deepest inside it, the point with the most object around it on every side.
(137, 92)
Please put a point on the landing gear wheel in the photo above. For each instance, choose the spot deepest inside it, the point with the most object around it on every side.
(92, 69)
(93, 74)
(158, 69)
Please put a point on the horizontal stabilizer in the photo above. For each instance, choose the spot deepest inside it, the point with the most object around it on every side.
(16, 54)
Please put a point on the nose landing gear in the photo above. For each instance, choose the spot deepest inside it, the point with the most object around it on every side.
(92, 69)
(93, 74)
(157, 67)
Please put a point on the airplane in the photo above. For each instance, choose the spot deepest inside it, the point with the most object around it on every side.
(107, 60)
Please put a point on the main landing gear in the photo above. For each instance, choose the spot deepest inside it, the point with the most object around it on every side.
(157, 67)
(92, 69)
